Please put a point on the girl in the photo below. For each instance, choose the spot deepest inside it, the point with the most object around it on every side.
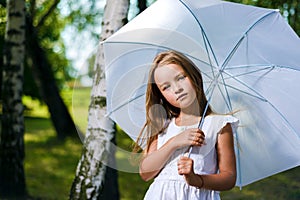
(175, 84)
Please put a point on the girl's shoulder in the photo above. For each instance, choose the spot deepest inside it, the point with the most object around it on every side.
(225, 117)
(220, 120)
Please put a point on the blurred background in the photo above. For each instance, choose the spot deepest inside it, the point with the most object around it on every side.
(61, 44)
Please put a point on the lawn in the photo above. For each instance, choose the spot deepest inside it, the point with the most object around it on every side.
(50, 165)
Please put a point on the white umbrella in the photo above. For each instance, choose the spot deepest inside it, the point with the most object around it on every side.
(250, 61)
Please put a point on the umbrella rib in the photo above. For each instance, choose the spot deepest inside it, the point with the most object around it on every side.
(205, 38)
(156, 45)
(261, 65)
(247, 93)
(163, 47)
(263, 99)
(228, 102)
(212, 87)
(259, 96)
(228, 57)
(269, 68)
(287, 67)
(242, 38)
(138, 43)
(209, 90)
(246, 66)
(123, 104)
(284, 118)
(244, 84)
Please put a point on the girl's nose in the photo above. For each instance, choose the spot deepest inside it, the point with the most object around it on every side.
(178, 89)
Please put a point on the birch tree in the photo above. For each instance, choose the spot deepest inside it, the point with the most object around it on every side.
(92, 180)
(12, 178)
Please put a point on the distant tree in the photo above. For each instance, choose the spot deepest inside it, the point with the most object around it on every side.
(95, 176)
(49, 25)
(41, 70)
(45, 68)
(12, 177)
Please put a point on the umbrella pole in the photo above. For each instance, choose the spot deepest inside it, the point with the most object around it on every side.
(199, 126)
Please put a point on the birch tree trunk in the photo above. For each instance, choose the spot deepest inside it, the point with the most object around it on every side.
(12, 178)
(96, 175)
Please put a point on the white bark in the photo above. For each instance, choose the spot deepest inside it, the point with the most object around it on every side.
(98, 147)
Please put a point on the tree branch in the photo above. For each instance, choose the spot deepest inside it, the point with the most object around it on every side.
(43, 19)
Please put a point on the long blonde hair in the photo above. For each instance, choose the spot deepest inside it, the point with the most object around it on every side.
(157, 117)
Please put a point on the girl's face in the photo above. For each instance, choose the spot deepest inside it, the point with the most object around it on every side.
(175, 86)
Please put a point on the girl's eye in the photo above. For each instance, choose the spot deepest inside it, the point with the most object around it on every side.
(181, 77)
(165, 87)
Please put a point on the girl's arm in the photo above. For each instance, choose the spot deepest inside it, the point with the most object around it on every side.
(225, 179)
(155, 159)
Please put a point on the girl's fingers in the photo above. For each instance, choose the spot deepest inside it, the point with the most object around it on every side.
(197, 137)
(184, 165)
(194, 137)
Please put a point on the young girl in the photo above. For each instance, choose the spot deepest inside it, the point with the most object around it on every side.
(175, 84)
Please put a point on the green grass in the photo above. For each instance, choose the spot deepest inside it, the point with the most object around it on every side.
(283, 186)
(50, 165)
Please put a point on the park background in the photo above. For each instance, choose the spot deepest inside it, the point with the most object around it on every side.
(69, 36)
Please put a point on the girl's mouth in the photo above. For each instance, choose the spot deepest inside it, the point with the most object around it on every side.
(181, 96)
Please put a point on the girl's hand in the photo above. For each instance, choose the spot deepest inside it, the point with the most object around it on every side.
(189, 137)
(186, 168)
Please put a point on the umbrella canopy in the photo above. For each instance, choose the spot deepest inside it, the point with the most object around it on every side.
(250, 61)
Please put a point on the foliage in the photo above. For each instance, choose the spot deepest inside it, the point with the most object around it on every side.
(49, 24)
(83, 18)
(83, 15)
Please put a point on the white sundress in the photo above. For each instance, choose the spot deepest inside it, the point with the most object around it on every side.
(169, 185)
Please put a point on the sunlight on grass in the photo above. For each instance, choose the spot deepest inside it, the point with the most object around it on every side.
(35, 108)
(49, 164)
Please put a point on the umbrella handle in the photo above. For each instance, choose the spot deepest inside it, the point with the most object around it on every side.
(200, 127)
(190, 151)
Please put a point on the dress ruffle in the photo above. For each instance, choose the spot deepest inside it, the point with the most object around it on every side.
(212, 126)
